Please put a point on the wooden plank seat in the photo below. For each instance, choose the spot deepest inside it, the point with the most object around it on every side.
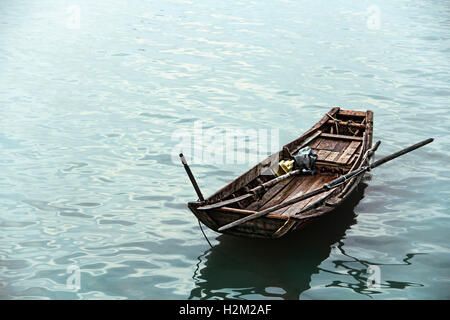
(348, 152)
(347, 123)
(334, 149)
(351, 113)
(339, 136)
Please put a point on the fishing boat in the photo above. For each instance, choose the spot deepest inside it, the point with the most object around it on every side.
(264, 203)
(340, 140)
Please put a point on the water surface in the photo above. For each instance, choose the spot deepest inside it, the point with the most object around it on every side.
(88, 112)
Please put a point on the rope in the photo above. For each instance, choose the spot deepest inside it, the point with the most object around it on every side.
(337, 126)
(350, 128)
(200, 225)
(367, 157)
(335, 122)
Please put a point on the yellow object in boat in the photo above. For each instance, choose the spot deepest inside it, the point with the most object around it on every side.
(287, 165)
(283, 167)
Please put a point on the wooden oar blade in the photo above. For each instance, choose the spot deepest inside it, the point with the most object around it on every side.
(225, 203)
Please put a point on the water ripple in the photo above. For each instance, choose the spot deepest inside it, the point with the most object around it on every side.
(89, 177)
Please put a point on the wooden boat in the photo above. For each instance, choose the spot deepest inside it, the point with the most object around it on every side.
(340, 139)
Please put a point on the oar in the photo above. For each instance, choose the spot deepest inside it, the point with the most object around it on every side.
(191, 177)
(251, 192)
(331, 185)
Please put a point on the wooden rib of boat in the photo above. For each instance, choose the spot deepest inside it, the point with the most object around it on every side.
(340, 139)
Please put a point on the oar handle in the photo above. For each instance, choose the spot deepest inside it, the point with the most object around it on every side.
(377, 163)
(400, 153)
(342, 179)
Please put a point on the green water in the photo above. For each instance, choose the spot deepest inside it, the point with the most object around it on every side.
(93, 94)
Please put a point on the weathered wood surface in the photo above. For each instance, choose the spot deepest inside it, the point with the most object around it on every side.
(332, 156)
(308, 182)
(348, 152)
(280, 196)
(358, 162)
(258, 228)
(313, 203)
(340, 136)
(369, 127)
(297, 207)
(352, 113)
(315, 143)
(329, 150)
(269, 194)
(327, 144)
(322, 154)
(346, 123)
(341, 146)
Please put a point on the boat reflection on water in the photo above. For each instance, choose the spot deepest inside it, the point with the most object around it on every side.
(240, 268)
